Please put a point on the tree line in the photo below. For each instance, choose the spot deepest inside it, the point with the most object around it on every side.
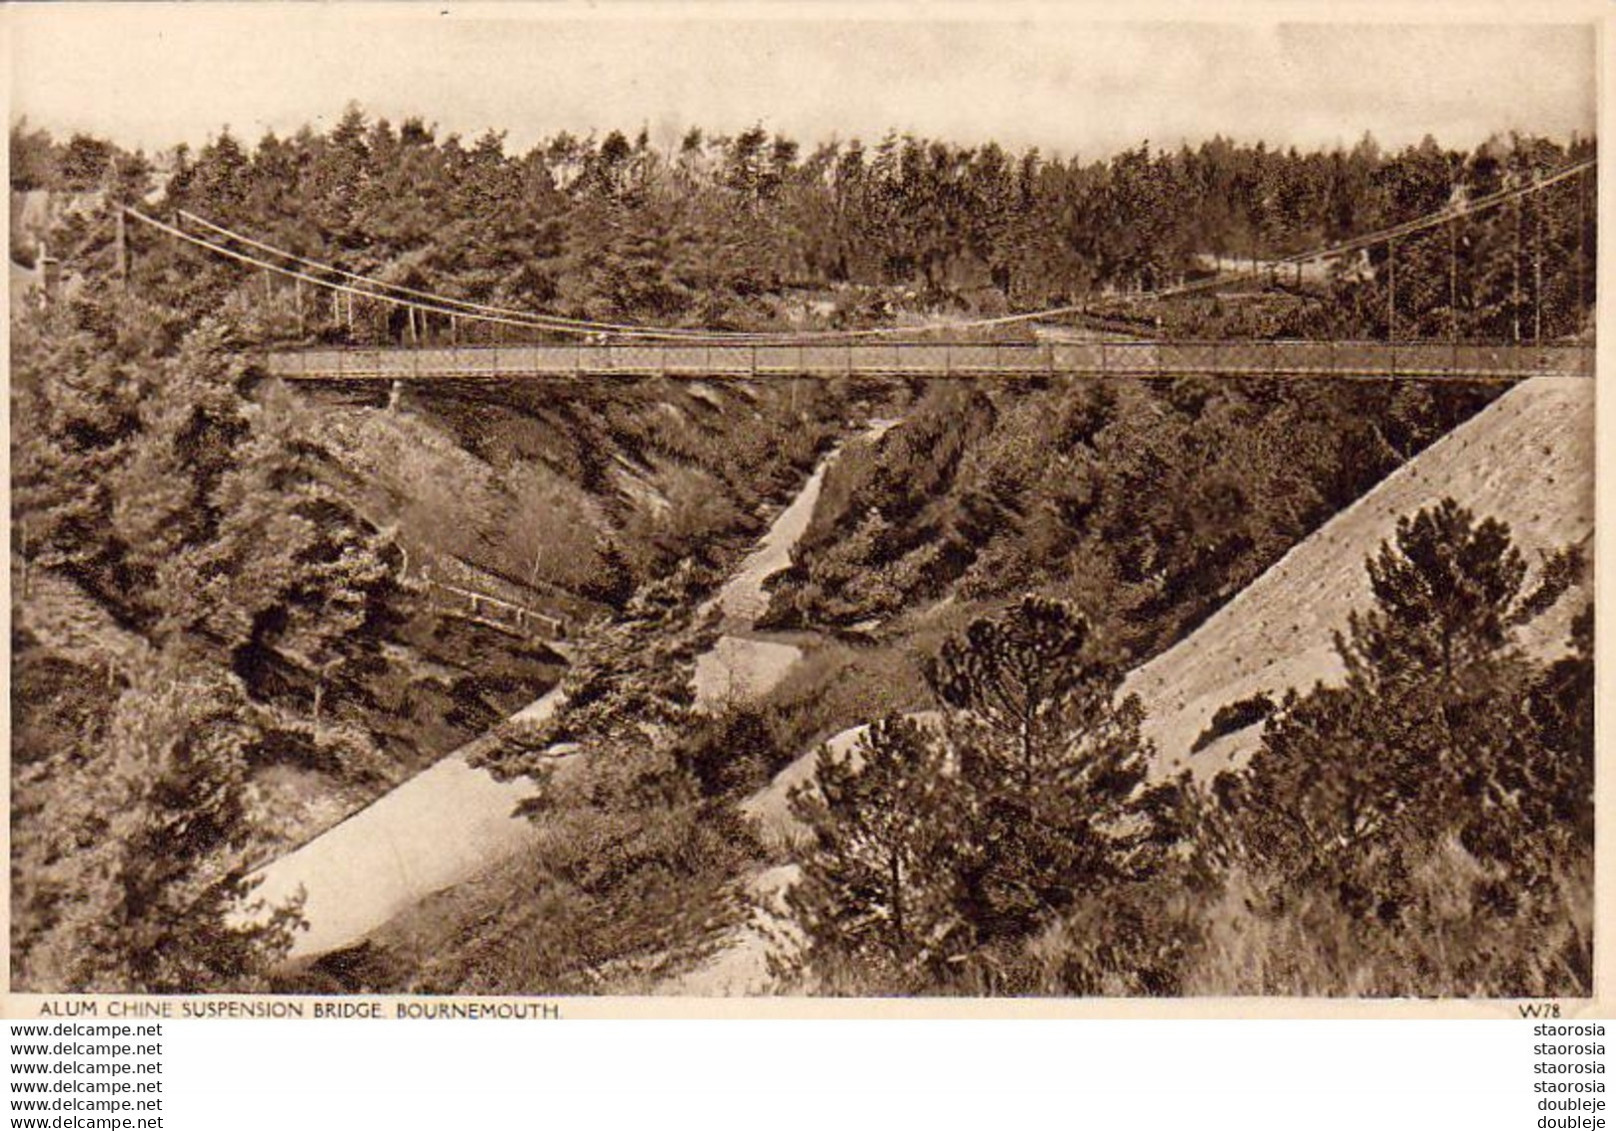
(756, 231)
(206, 528)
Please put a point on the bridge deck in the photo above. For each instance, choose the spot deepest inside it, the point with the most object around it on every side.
(966, 359)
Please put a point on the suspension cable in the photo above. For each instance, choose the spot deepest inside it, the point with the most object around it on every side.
(433, 303)
(1397, 231)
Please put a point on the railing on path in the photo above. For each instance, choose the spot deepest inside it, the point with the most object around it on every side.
(495, 612)
(1140, 359)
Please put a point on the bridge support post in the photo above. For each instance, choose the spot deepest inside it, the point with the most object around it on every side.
(1582, 224)
(1515, 287)
(1537, 271)
(122, 244)
(1391, 290)
(395, 395)
(1453, 280)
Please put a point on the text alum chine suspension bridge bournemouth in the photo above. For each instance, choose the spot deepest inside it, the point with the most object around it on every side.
(558, 346)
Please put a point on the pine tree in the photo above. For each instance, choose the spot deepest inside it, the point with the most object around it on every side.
(1446, 593)
(877, 887)
(1052, 764)
(150, 837)
(1446, 753)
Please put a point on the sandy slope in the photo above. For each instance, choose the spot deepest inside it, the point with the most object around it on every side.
(439, 828)
(741, 965)
(1527, 459)
(453, 821)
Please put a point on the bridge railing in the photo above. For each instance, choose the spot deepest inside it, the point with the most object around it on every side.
(1143, 358)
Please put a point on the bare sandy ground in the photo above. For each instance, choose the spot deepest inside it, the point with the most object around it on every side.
(741, 966)
(439, 828)
(1526, 459)
(742, 666)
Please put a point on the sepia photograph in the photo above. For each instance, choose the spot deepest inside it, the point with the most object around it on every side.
(801, 501)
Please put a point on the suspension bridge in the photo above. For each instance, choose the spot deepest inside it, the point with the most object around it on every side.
(433, 336)
(1139, 359)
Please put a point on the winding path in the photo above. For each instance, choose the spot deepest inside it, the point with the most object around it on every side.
(454, 820)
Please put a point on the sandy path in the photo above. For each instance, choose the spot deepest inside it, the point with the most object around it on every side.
(739, 666)
(452, 821)
(439, 828)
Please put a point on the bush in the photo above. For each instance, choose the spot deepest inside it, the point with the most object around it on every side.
(1234, 717)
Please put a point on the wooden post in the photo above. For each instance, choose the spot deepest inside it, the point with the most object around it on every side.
(1537, 270)
(121, 239)
(1391, 289)
(1515, 290)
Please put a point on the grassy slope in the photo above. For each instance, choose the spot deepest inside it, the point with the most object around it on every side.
(1527, 459)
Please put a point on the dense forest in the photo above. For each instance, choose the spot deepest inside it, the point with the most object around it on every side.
(1155, 502)
(754, 231)
(224, 638)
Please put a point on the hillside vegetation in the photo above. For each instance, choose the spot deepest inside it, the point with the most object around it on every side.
(1277, 635)
(1154, 502)
(172, 514)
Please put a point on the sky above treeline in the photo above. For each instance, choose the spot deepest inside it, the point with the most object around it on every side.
(1064, 78)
